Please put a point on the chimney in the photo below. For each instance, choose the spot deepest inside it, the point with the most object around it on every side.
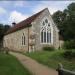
(13, 24)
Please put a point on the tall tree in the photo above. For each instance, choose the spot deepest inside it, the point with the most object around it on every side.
(66, 23)
(3, 29)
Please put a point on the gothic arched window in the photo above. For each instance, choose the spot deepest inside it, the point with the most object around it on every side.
(23, 39)
(45, 32)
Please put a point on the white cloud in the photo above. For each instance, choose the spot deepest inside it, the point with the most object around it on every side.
(20, 3)
(2, 11)
(15, 3)
(45, 4)
(53, 6)
(5, 2)
(17, 16)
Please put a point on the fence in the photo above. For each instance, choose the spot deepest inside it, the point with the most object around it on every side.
(62, 71)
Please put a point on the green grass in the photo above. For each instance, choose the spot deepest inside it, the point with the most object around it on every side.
(52, 58)
(9, 65)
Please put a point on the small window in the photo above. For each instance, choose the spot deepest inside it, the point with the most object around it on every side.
(23, 33)
(43, 23)
(46, 21)
(23, 40)
(49, 24)
(42, 37)
(47, 37)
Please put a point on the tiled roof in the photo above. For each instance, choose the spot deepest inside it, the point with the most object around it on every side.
(24, 23)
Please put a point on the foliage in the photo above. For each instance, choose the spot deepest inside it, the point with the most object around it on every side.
(51, 59)
(69, 44)
(3, 29)
(65, 21)
(48, 48)
(69, 47)
(69, 54)
(73, 53)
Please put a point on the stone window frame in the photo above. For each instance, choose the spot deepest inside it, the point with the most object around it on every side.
(45, 32)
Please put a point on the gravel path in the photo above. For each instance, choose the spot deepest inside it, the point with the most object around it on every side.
(34, 67)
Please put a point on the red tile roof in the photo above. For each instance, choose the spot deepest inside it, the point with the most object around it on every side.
(24, 23)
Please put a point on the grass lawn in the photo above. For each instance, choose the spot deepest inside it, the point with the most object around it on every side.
(52, 58)
(9, 65)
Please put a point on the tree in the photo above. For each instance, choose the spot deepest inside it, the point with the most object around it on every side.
(58, 19)
(6, 27)
(3, 29)
(65, 21)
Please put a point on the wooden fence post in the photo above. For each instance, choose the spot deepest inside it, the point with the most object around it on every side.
(62, 71)
(60, 66)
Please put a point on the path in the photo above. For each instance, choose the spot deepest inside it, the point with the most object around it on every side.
(34, 67)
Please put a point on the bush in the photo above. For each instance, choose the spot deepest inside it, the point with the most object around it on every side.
(4, 50)
(68, 47)
(69, 53)
(73, 53)
(69, 44)
(1, 49)
(48, 48)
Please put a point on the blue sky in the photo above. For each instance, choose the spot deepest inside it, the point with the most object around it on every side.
(17, 11)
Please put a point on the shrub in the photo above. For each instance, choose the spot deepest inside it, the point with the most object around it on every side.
(73, 53)
(68, 47)
(68, 53)
(48, 48)
(6, 50)
(1, 50)
(69, 44)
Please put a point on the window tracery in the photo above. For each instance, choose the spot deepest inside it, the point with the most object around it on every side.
(45, 32)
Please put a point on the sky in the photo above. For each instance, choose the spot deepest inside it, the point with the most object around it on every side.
(16, 11)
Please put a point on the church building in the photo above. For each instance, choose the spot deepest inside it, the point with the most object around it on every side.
(33, 33)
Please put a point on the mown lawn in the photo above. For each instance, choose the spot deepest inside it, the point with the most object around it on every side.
(52, 58)
(9, 65)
